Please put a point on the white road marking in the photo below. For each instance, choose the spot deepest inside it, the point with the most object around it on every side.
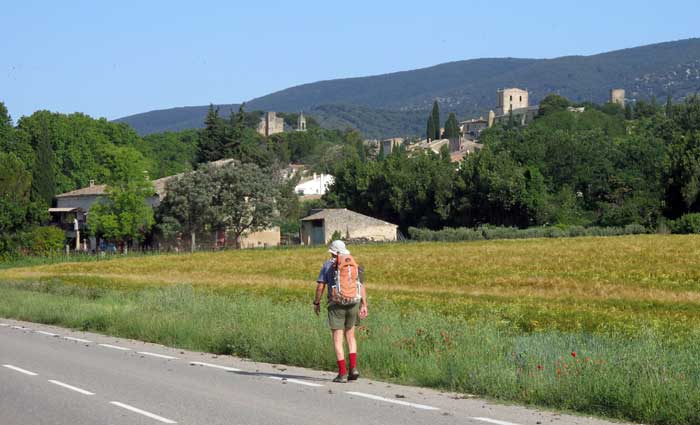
(162, 356)
(388, 400)
(46, 333)
(4, 324)
(143, 412)
(19, 327)
(115, 347)
(295, 381)
(26, 372)
(216, 366)
(494, 421)
(70, 387)
(70, 338)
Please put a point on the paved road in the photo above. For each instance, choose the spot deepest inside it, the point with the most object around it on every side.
(51, 375)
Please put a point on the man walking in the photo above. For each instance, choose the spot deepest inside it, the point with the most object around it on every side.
(342, 315)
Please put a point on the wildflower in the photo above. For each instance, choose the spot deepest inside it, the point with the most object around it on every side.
(573, 354)
(540, 367)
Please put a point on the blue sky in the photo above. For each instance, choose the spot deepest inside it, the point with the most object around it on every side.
(111, 59)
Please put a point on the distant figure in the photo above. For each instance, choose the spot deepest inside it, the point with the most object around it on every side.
(347, 304)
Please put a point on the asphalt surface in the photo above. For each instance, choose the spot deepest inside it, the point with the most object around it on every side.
(51, 375)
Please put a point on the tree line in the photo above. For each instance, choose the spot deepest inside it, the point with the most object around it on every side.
(606, 166)
(48, 153)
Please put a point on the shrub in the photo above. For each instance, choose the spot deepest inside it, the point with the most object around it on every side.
(688, 223)
(43, 241)
(449, 234)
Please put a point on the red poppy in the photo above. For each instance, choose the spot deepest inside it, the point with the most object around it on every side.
(539, 366)
(573, 354)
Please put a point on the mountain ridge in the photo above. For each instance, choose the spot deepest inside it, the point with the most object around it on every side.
(467, 88)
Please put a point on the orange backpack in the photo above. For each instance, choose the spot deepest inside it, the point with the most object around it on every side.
(346, 288)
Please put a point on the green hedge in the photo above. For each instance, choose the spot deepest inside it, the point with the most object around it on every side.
(449, 234)
(688, 223)
(38, 241)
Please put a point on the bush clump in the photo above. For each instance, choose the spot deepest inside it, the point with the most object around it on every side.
(449, 234)
(686, 224)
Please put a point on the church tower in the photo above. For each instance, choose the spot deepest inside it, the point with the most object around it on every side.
(301, 122)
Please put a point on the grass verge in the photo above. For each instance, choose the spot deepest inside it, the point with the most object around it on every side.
(645, 377)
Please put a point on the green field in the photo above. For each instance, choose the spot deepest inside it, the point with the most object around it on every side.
(607, 326)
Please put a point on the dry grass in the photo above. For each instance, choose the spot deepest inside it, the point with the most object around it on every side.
(561, 283)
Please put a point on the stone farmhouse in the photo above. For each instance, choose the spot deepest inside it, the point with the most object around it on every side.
(76, 205)
(318, 228)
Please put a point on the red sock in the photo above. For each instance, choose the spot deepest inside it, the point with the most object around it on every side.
(341, 367)
(353, 360)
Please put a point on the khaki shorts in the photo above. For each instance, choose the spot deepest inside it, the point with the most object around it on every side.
(343, 316)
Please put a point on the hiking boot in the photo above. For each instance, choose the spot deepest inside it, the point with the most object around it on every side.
(341, 379)
(354, 374)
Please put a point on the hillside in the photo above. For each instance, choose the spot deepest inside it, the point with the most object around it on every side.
(467, 88)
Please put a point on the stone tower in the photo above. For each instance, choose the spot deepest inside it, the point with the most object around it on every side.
(511, 99)
(270, 124)
(618, 96)
(301, 122)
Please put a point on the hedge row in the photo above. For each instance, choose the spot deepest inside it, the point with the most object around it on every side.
(689, 223)
(449, 234)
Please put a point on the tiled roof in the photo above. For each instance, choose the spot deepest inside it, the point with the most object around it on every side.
(346, 215)
(94, 190)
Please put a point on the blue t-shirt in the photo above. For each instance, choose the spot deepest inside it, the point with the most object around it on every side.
(327, 275)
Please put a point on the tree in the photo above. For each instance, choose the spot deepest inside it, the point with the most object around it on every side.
(451, 127)
(15, 185)
(244, 199)
(188, 205)
(44, 179)
(436, 120)
(124, 214)
(669, 107)
(553, 103)
(430, 129)
(211, 139)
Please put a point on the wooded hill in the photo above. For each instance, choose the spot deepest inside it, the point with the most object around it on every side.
(395, 104)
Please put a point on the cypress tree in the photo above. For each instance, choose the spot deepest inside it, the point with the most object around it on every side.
(43, 176)
(436, 120)
(211, 144)
(430, 131)
(669, 107)
(451, 127)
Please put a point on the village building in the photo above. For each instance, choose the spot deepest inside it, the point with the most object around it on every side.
(389, 145)
(314, 186)
(319, 227)
(513, 104)
(301, 122)
(74, 208)
(271, 124)
(472, 128)
(618, 96)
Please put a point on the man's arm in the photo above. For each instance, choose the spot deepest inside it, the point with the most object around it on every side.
(363, 303)
(320, 286)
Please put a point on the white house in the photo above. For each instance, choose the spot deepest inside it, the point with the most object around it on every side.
(316, 185)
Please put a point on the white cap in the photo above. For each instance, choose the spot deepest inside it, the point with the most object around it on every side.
(337, 247)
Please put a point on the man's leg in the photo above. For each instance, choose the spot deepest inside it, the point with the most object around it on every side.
(339, 353)
(352, 349)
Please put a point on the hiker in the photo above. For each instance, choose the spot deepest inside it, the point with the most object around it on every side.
(347, 304)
